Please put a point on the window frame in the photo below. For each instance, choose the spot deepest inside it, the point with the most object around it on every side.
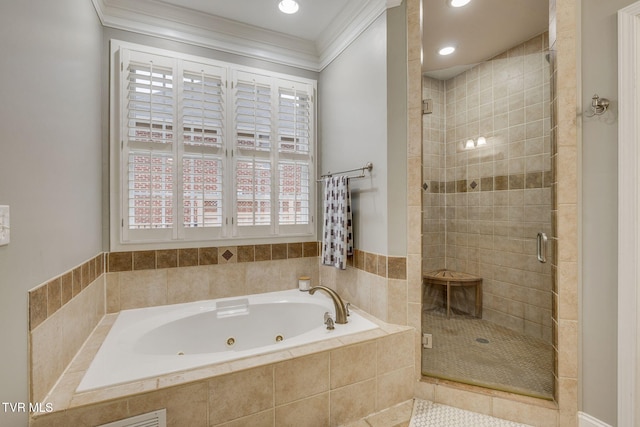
(229, 233)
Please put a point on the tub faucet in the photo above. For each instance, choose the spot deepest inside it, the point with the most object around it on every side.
(328, 321)
(341, 310)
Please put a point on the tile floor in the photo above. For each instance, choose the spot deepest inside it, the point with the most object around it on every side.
(478, 352)
(429, 414)
(422, 413)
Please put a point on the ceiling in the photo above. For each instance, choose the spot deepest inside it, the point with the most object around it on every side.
(309, 23)
(480, 30)
(322, 28)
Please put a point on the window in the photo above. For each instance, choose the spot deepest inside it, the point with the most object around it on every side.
(205, 150)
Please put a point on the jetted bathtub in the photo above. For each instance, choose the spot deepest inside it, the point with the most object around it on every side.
(149, 342)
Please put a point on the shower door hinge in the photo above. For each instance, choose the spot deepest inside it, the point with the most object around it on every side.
(427, 106)
(427, 341)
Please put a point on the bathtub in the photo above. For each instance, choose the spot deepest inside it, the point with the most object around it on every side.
(148, 342)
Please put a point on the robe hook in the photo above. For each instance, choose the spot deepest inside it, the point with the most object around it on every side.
(599, 106)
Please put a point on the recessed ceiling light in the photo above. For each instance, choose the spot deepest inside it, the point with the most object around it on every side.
(288, 6)
(458, 3)
(447, 50)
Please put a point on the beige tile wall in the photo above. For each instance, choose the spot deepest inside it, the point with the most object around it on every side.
(45, 300)
(483, 207)
(147, 288)
(564, 106)
(54, 342)
(435, 177)
(414, 174)
(373, 282)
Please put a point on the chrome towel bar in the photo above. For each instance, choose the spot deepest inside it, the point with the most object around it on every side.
(367, 167)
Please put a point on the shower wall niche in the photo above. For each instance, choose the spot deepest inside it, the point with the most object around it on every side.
(487, 172)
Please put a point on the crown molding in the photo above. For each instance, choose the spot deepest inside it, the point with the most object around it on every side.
(342, 32)
(159, 19)
(166, 21)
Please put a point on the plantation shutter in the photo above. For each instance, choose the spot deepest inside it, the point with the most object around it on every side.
(295, 121)
(203, 142)
(149, 121)
(207, 151)
(253, 149)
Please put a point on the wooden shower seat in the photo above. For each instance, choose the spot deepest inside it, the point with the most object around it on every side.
(448, 278)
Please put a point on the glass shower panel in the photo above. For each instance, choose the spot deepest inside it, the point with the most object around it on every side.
(487, 196)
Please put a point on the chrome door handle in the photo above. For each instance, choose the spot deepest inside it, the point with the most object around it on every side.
(542, 247)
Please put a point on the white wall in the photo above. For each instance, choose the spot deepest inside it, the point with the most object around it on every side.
(50, 162)
(599, 212)
(397, 129)
(352, 96)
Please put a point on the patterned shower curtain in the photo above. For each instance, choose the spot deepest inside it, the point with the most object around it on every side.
(337, 234)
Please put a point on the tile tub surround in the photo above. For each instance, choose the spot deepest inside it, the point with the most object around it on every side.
(54, 342)
(333, 382)
(375, 283)
(149, 278)
(51, 296)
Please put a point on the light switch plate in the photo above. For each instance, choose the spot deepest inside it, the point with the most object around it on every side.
(5, 236)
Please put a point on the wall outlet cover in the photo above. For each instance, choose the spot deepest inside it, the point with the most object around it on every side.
(5, 229)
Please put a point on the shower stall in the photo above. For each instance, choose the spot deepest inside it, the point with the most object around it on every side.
(487, 214)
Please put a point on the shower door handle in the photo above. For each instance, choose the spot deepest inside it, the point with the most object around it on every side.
(542, 247)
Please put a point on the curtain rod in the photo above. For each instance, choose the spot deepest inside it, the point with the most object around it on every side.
(368, 167)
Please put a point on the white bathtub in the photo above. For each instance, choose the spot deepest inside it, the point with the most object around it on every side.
(149, 342)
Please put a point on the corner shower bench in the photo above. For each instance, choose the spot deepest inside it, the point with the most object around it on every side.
(448, 278)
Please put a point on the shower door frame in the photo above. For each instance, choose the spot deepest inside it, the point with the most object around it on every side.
(566, 102)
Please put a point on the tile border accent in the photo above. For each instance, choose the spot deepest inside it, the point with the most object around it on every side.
(189, 257)
(381, 265)
(492, 183)
(49, 297)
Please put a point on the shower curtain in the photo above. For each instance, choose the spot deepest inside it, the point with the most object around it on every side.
(337, 234)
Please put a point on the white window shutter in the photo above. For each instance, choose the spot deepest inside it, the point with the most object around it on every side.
(253, 154)
(208, 151)
(294, 119)
(295, 132)
(203, 117)
(253, 121)
(149, 138)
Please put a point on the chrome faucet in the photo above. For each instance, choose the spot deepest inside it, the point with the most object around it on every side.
(341, 309)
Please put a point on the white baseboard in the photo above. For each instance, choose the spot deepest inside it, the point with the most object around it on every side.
(586, 420)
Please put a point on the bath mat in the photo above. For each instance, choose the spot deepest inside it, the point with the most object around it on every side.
(429, 414)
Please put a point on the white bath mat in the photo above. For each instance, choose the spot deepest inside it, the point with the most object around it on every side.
(429, 414)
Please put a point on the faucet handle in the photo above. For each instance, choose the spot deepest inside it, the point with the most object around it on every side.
(328, 321)
(347, 306)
